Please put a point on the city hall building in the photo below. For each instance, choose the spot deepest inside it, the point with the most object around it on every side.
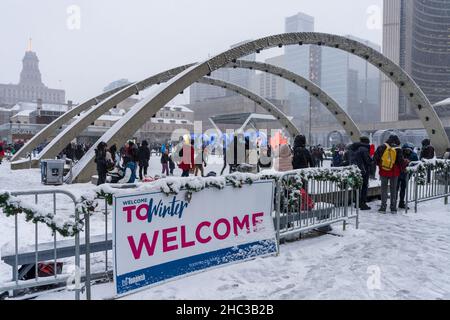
(30, 88)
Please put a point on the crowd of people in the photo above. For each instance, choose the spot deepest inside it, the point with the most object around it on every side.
(392, 160)
(131, 161)
(75, 151)
(9, 149)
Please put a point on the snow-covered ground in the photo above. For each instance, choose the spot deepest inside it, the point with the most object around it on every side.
(389, 257)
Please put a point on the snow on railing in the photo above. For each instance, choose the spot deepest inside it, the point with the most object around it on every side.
(87, 203)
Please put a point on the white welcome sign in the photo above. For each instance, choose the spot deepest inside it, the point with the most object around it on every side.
(158, 237)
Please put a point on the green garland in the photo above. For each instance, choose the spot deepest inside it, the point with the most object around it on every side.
(11, 207)
(419, 170)
(349, 177)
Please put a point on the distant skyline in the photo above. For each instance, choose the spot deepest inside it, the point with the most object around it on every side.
(137, 38)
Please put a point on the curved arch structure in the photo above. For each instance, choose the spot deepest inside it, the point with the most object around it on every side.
(50, 129)
(88, 167)
(71, 132)
(339, 113)
(149, 106)
(68, 135)
(265, 104)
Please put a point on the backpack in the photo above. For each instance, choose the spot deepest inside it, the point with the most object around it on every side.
(388, 158)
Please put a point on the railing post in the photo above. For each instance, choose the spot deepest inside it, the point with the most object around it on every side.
(357, 208)
(77, 257)
(88, 256)
(106, 234)
(446, 186)
(407, 192)
(278, 191)
(345, 206)
(416, 193)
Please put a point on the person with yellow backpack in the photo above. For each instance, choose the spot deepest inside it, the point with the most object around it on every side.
(389, 158)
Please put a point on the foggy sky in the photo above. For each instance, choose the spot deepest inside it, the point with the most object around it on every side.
(136, 38)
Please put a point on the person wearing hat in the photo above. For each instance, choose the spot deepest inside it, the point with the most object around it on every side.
(360, 156)
(301, 158)
(389, 158)
(408, 156)
(100, 160)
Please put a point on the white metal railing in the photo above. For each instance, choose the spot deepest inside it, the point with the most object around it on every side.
(430, 183)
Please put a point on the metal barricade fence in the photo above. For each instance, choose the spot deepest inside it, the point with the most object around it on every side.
(16, 283)
(432, 185)
(333, 203)
(313, 205)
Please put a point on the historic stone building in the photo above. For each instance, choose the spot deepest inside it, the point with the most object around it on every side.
(30, 88)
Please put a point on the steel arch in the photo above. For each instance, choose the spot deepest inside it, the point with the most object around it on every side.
(336, 110)
(89, 168)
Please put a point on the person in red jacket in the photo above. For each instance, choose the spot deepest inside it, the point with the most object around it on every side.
(373, 166)
(389, 176)
(187, 158)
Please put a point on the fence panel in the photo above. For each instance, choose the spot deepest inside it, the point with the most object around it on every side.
(312, 204)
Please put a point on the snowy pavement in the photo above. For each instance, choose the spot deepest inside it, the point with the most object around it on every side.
(389, 257)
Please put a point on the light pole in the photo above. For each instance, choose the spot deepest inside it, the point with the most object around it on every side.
(310, 121)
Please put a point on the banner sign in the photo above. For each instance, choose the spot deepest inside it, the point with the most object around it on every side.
(158, 237)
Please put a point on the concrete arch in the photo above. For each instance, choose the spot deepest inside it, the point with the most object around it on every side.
(149, 106)
(45, 133)
(71, 132)
(65, 137)
(87, 165)
(336, 110)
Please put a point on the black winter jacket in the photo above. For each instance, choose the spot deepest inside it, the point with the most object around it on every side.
(143, 156)
(360, 156)
(301, 156)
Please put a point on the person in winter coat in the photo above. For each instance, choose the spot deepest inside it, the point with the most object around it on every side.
(100, 160)
(144, 158)
(360, 152)
(283, 158)
(373, 168)
(171, 165)
(165, 162)
(446, 154)
(200, 162)
(408, 156)
(265, 157)
(389, 177)
(113, 151)
(337, 158)
(301, 156)
(187, 158)
(131, 165)
(427, 152)
(347, 157)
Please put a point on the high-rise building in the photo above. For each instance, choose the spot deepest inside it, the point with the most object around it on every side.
(269, 85)
(30, 88)
(298, 60)
(352, 82)
(416, 35)
(201, 92)
(241, 77)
